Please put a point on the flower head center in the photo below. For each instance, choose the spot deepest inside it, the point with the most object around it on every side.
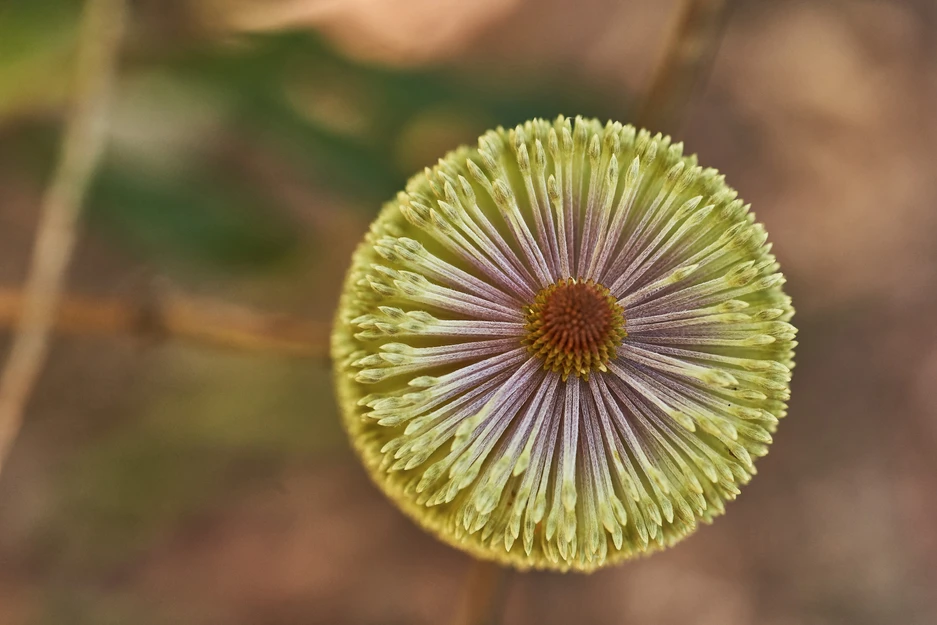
(575, 326)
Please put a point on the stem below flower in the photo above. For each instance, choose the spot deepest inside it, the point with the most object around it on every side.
(483, 595)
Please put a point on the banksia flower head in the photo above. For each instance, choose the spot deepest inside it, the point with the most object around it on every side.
(563, 348)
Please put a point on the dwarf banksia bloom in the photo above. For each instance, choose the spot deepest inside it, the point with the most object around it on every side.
(563, 348)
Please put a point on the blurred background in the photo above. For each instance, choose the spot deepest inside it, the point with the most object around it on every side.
(165, 480)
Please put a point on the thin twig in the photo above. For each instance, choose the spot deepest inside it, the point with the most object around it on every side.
(174, 317)
(686, 62)
(82, 144)
(484, 592)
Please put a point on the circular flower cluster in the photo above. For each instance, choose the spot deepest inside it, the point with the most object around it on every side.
(565, 347)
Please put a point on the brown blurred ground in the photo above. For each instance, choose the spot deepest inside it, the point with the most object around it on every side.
(178, 484)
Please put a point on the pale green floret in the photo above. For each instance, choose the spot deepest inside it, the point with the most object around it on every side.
(456, 419)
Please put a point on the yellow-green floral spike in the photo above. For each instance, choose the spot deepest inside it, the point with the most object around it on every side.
(564, 348)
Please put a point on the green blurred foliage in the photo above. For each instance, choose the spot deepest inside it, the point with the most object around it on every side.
(37, 40)
(199, 216)
(211, 422)
(349, 128)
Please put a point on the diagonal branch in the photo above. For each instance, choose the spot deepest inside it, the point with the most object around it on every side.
(82, 144)
(687, 59)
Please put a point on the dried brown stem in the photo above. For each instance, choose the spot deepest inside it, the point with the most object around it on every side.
(82, 144)
(197, 320)
(686, 62)
(484, 592)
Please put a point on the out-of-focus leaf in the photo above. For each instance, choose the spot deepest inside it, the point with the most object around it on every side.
(37, 39)
(206, 215)
(272, 84)
(354, 129)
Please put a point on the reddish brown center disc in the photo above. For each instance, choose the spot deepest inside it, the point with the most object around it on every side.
(575, 326)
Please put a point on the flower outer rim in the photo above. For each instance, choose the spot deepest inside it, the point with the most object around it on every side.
(344, 346)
